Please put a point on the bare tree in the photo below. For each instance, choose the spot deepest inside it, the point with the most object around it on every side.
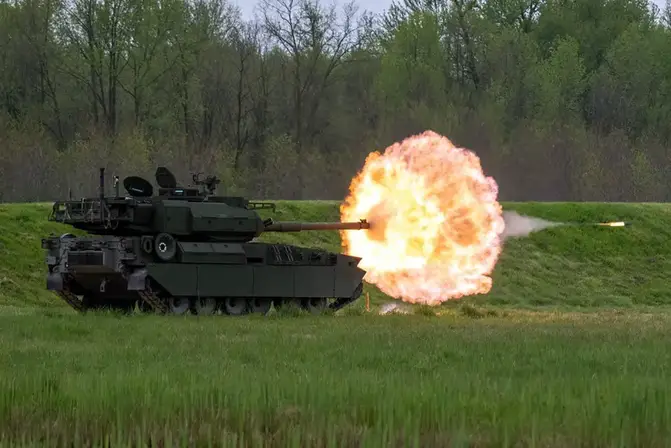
(245, 43)
(100, 33)
(205, 24)
(318, 41)
(35, 25)
(151, 23)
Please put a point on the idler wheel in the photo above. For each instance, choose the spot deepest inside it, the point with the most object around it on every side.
(205, 305)
(234, 306)
(314, 305)
(178, 305)
(260, 306)
(165, 246)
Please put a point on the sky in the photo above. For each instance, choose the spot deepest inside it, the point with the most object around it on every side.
(375, 6)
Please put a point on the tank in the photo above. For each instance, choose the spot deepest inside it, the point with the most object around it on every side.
(187, 250)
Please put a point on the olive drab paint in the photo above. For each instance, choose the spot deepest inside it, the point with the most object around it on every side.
(187, 250)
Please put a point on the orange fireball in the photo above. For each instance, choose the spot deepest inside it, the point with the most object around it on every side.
(435, 221)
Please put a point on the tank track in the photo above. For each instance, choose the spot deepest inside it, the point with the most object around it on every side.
(71, 299)
(157, 304)
(154, 301)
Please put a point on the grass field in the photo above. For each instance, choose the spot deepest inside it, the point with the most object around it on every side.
(585, 267)
(569, 349)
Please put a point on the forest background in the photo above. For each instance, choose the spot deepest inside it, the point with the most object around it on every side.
(561, 99)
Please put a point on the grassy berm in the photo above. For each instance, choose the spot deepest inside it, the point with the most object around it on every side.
(569, 349)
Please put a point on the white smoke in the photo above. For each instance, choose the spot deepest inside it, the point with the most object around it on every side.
(519, 225)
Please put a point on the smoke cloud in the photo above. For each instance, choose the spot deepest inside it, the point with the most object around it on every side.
(520, 226)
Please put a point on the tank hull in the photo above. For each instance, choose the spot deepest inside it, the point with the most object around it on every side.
(121, 272)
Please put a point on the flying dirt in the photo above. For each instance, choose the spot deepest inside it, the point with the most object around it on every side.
(435, 223)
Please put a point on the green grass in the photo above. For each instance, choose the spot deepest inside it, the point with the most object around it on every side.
(532, 380)
(587, 267)
(569, 349)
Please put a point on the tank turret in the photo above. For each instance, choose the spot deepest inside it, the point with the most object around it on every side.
(192, 213)
(186, 249)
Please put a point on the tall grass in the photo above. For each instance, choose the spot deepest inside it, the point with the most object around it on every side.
(492, 376)
(524, 379)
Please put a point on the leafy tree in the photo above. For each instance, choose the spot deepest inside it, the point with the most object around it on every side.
(561, 99)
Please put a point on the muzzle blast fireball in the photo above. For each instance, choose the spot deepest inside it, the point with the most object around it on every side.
(436, 227)
(435, 221)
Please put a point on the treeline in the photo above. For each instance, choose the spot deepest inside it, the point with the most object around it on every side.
(561, 99)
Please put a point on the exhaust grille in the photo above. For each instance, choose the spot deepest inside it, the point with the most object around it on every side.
(85, 258)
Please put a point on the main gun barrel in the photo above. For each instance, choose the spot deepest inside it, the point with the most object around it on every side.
(300, 226)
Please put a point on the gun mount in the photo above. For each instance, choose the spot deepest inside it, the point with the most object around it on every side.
(187, 249)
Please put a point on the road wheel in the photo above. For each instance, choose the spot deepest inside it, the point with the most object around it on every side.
(234, 306)
(205, 306)
(260, 306)
(178, 305)
(314, 305)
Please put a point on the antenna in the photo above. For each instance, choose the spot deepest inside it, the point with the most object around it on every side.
(102, 194)
(101, 190)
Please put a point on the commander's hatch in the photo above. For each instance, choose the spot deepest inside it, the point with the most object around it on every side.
(165, 178)
(168, 185)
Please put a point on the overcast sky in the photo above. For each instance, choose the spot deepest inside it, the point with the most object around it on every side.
(376, 6)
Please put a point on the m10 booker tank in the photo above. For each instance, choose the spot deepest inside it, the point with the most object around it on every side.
(188, 250)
